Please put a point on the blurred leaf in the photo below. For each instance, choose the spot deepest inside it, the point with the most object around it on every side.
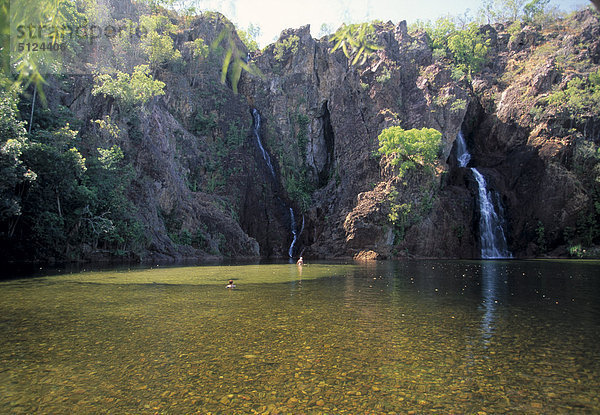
(233, 59)
(356, 41)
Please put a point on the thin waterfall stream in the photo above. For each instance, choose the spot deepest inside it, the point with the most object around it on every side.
(265, 155)
(267, 158)
(491, 231)
(294, 233)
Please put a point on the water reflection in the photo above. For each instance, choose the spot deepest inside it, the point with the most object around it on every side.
(489, 301)
(493, 293)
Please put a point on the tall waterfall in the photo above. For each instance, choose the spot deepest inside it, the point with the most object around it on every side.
(267, 158)
(294, 233)
(493, 240)
(265, 155)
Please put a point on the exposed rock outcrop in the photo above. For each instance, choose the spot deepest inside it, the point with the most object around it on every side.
(199, 170)
(347, 107)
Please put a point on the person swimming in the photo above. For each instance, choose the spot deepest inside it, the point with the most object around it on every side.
(231, 284)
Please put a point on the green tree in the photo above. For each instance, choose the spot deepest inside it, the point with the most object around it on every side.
(157, 43)
(440, 31)
(409, 148)
(285, 48)
(14, 175)
(51, 20)
(250, 37)
(466, 47)
(109, 218)
(159, 49)
(469, 49)
(510, 10)
(487, 12)
(401, 215)
(129, 90)
(535, 10)
(53, 204)
(198, 48)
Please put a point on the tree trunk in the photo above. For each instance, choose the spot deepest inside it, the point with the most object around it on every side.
(58, 205)
(32, 107)
(12, 226)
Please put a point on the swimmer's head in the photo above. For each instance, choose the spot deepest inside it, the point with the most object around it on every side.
(230, 281)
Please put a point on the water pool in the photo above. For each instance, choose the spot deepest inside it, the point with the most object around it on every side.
(377, 338)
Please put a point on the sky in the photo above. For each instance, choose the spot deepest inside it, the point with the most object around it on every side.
(273, 16)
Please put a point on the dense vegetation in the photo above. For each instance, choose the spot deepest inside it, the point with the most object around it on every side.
(410, 148)
(56, 203)
(62, 198)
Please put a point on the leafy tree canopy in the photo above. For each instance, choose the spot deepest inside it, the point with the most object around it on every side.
(410, 148)
(467, 47)
(249, 37)
(129, 90)
(157, 42)
(13, 141)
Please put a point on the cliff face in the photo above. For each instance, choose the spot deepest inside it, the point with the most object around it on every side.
(527, 157)
(529, 147)
(189, 151)
(345, 108)
(203, 187)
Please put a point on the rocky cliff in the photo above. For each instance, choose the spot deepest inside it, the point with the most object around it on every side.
(203, 188)
(527, 158)
(346, 108)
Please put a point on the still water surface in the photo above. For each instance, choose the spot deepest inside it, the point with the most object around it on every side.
(387, 337)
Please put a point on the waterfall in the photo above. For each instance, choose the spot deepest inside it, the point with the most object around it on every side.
(267, 158)
(265, 155)
(493, 240)
(462, 154)
(294, 233)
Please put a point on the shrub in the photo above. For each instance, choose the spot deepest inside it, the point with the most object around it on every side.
(385, 76)
(580, 100)
(129, 90)
(249, 37)
(467, 47)
(285, 46)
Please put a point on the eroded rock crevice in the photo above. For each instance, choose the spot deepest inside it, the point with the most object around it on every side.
(327, 147)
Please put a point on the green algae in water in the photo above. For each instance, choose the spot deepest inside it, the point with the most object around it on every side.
(453, 337)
